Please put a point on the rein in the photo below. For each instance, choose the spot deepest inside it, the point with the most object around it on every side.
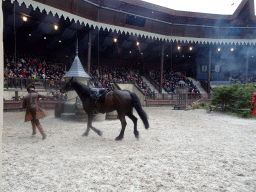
(72, 98)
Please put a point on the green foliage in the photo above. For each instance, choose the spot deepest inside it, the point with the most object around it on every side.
(234, 98)
(205, 106)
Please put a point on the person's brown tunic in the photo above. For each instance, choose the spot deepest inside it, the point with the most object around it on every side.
(30, 101)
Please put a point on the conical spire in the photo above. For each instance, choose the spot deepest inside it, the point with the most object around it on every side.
(77, 69)
(77, 47)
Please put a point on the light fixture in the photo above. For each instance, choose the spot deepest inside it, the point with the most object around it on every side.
(219, 49)
(29, 35)
(232, 49)
(59, 41)
(130, 51)
(167, 55)
(44, 37)
(24, 18)
(178, 47)
(56, 27)
(141, 53)
(190, 48)
(138, 43)
(115, 40)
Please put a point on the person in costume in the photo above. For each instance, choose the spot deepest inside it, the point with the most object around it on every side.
(253, 108)
(34, 111)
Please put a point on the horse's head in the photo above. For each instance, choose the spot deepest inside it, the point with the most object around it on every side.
(68, 87)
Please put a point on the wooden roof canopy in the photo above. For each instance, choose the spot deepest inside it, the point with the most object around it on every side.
(163, 21)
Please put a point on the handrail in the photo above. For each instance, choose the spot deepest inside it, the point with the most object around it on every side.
(205, 86)
(117, 86)
(139, 89)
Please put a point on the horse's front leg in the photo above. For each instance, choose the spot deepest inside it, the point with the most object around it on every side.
(89, 125)
(86, 133)
(123, 122)
(90, 117)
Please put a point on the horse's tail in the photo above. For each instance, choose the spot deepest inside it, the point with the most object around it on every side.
(140, 111)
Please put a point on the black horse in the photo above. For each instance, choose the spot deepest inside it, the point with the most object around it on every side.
(119, 100)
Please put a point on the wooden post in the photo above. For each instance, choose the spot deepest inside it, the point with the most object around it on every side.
(74, 7)
(89, 53)
(1, 88)
(209, 71)
(246, 67)
(161, 70)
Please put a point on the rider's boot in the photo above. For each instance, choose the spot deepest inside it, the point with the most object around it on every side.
(33, 128)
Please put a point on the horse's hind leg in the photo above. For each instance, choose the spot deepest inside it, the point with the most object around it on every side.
(96, 130)
(134, 119)
(123, 123)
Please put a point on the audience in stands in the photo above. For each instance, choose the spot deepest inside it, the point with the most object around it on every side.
(171, 81)
(31, 67)
(104, 77)
(236, 77)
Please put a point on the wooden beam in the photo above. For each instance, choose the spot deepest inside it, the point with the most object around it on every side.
(1, 87)
(246, 67)
(89, 53)
(209, 70)
(162, 70)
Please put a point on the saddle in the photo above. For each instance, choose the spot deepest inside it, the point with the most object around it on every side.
(98, 95)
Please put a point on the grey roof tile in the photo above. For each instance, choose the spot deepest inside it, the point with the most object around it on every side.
(77, 69)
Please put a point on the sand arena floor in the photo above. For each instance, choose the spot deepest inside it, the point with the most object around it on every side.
(181, 151)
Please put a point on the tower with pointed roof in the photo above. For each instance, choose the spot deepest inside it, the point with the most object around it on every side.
(80, 74)
(77, 69)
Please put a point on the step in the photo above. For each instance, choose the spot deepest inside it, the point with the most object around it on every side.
(151, 86)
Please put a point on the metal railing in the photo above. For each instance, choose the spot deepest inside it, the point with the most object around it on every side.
(22, 83)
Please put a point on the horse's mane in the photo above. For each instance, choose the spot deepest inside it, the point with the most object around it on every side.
(82, 87)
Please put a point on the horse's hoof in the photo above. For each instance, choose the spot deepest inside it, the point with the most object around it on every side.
(137, 135)
(85, 135)
(119, 138)
(99, 133)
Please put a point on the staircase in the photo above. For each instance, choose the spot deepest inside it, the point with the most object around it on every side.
(199, 87)
(150, 85)
(196, 83)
